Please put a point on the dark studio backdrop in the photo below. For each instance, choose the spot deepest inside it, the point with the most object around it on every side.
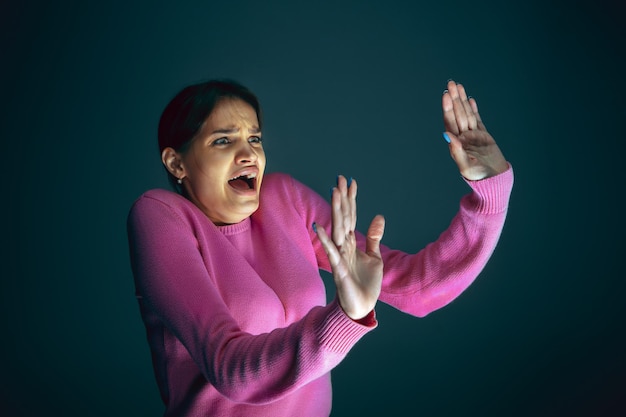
(347, 87)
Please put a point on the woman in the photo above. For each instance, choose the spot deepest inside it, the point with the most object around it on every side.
(227, 269)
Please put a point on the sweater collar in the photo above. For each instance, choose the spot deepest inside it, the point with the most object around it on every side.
(233, 229)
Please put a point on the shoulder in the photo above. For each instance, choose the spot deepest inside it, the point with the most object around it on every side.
(158, 213)
(284, 188)
(282, 194)
(277, 185)
(159, 196)
(158, 201)
(276, 181)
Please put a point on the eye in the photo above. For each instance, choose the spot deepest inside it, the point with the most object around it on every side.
(221, 141)
(255, 139)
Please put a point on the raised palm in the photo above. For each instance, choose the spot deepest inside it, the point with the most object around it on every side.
(358, 275)
(472, 147)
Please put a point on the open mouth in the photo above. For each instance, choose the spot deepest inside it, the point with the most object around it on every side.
(243, 182)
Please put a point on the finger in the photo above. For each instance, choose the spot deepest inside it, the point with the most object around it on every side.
(374, 235)
(449, 120)
(457, 151)
(479, 121)
(458, 108)
(337, 217)
(352, 191)
(329, 247)
(471, 119)
(345, 205)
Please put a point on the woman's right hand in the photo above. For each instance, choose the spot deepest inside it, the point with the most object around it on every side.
(358, 275)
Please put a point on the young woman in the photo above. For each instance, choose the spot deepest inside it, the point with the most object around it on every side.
(227, 268)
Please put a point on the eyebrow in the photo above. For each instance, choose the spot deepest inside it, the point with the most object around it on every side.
(231, 130)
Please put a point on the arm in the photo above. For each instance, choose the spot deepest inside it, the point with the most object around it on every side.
(430, 279)
(421, 283)
(436, 275)
(174, 283)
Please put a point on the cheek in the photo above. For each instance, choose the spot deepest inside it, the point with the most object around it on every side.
(211, 169)
(213, 184)
(207, 181)
(261, 156)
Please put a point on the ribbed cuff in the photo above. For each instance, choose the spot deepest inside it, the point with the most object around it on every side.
(338, 332)
(491, 195)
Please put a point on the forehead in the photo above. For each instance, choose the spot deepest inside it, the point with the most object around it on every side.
(232, 112)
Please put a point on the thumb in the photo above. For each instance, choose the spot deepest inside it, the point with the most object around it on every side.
(374, 235)
(456, 149)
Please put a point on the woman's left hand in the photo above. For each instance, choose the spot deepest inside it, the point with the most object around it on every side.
(473, 149)
(358, 275)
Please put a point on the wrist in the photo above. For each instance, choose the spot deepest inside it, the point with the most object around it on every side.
(369, 320)
(356, 315)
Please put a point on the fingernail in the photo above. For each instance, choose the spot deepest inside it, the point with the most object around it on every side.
(446, 137)
(449, 79)
(444, 91)
(315, 227)
(349, 181)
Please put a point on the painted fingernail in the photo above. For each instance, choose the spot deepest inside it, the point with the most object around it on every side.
(349, 181)
(446, 137)
(444, 92)
(315, 227)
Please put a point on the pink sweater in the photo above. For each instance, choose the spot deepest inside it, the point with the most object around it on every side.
(236, 316)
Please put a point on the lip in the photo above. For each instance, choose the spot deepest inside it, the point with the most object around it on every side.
(253, 169)
(252, 192)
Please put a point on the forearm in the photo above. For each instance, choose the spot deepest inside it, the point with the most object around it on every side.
(178, 288)
(421, 283)
(255, 368)
(262, 368)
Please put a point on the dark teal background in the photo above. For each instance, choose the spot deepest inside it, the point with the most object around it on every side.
(346, 87)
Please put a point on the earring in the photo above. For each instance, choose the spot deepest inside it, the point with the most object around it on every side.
(179, 181)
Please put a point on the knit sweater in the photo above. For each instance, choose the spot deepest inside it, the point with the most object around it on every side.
(236, 315)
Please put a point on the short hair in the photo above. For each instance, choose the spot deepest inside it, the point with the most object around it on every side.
(185, 114)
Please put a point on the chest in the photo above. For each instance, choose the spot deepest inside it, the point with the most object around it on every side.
(270, 279)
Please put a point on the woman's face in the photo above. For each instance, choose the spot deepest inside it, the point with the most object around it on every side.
(224, 165)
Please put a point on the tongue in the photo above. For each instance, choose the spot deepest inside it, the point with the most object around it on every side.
(239, 184)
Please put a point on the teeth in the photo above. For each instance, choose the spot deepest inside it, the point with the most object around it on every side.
(249, 176)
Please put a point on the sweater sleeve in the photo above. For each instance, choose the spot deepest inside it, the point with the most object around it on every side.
(430, 279)
(421, 283)
(174, 284)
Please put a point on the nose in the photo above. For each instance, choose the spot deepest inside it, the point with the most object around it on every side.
(246, 153)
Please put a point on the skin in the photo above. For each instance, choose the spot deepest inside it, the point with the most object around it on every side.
(227, 146)
(358, 275)
(473, 149)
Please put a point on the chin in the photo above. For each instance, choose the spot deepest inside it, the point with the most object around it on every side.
(243, 213)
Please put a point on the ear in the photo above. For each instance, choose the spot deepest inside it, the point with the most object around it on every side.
(173, 162)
